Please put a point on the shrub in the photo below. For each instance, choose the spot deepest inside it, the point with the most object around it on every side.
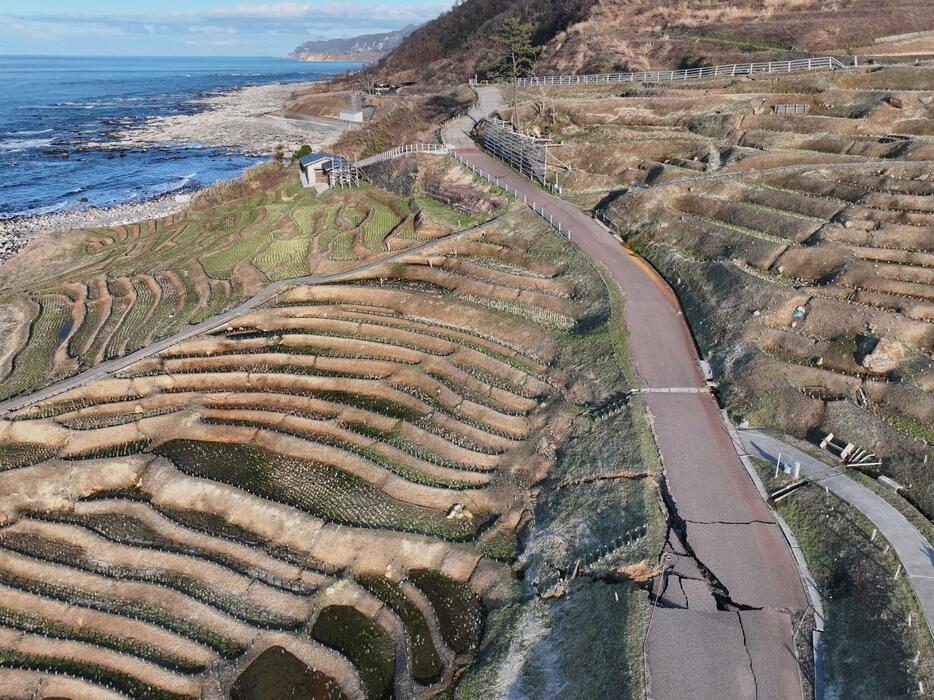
(302, 152)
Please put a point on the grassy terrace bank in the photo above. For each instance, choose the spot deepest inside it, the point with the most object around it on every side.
(575, 595)
(79, 298)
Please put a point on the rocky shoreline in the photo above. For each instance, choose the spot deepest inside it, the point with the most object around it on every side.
(16, 232)
(247, 119)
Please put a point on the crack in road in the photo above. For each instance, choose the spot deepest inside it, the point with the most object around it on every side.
(752, 670)
(718, 590)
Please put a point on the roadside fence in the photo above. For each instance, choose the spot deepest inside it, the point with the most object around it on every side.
(728, 70)
(564, 230)
(430, 148)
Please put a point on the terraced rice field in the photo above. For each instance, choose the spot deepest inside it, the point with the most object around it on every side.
(114, 291)
(807, 273)
(320, 500)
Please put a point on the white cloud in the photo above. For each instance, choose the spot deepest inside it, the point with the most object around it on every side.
(323, 19)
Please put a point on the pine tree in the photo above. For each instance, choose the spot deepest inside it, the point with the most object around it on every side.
(515, 54)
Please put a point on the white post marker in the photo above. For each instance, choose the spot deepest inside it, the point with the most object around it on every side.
(778, 464)
(898, 571)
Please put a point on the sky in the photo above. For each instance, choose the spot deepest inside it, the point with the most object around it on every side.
(195, 27)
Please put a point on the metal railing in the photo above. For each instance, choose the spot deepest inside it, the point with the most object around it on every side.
(431, 148)
(524, 153)
(790, 109)
(729, 70)
(564, 230)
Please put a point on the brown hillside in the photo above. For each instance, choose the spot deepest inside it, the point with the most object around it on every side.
(597, 35)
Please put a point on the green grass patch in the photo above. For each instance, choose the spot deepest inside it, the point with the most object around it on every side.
(320, 489)
(276, 673)
(26, 622)
(458, 608)
(130, 685)
(378, 225)
(426, 664)
(31, 366)
(23, 454)
(364, 642)
(224, 646)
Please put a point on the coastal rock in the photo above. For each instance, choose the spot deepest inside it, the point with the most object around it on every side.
(16, 232)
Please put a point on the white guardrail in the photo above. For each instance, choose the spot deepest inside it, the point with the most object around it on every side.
(732, 69)
(432, 148)
(541, 211)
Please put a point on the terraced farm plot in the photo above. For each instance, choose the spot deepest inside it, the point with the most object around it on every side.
(801, 245)
(323, 496)
(134, 284)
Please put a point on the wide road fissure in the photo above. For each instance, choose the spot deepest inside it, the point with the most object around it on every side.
(746, 650)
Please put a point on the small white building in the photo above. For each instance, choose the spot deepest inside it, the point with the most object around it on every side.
(325, 170)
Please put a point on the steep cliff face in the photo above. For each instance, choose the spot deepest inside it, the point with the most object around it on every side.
(598, 35)
(367, 47)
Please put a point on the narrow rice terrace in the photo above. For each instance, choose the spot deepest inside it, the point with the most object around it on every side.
(77, 299)
(802, 245)
(630, 136)
(322, 498)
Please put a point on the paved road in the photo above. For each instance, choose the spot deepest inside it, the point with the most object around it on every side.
(214, 322)
(696, 648)
(914, 551)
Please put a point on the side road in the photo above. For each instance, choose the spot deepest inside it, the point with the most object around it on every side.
(728, 632)
(218, 321)
(914, 551)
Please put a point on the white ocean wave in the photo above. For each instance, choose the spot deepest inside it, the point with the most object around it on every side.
(18, 145)
(27, 132)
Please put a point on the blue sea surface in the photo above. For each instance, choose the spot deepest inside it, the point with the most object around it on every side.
(51, 107)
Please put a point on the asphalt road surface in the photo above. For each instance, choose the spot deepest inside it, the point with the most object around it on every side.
(739, 645)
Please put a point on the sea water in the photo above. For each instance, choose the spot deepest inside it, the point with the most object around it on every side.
(51, 107)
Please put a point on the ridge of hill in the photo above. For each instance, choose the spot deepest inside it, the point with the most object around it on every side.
(599, 35)
(366, 47)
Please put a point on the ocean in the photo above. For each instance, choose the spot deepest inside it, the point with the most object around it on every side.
(51, 106)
